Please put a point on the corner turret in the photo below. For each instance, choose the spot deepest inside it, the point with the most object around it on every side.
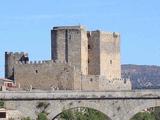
(10, 60)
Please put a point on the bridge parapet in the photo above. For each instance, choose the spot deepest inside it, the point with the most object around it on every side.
(83, 95)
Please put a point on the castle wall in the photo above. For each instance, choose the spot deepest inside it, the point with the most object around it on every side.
(115, 84)
(110, 55)
(44, 76)
(94, 53)
(90, 83)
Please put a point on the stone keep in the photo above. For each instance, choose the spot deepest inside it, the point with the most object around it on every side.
(70, 44)
(80, 60)
(104, 54)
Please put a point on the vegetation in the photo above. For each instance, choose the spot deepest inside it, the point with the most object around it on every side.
(144, 116)
(42, 116)
(82, 114)
(156, 113)
(142, 76)
(27, 118)
(90, 114)
(1, 104)
(150, 114)
(42, 106)
(10, 118)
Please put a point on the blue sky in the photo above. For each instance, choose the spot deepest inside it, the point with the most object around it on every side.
(25, 25)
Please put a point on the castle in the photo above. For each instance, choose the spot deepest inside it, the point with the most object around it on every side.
(80, 60)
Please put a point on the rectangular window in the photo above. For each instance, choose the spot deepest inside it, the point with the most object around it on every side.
(110, 61)
(2, 114)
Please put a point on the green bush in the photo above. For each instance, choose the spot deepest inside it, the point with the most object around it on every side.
(42, 116)
(27, 118)
(82, 114)
(10, 118)
(67, 115)
(1, 104)
(156, 113)
(144, 116)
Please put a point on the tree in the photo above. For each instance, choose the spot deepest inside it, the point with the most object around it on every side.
(82, 114)
(1, 104)
(156, 113)
(42, 106)
(42, 116)
(27, 118)
(144, 116)
(67, 115)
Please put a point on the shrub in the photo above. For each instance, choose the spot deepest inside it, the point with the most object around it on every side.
(27, 118)
(10, 118)
(1, 104)
(42, 116)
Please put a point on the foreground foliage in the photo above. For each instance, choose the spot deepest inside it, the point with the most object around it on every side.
(144, 116)
(82, 114)
(42, 106)
(27, 118)
(1, 104)
(42, 116)
(150, 114)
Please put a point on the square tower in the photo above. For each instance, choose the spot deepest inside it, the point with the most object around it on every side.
(70, 44)
(104, 54)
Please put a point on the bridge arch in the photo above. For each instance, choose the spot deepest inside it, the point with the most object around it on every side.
(142, 105)
(54, 118)
(53, 113)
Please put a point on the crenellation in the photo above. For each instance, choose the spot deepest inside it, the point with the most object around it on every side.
(35, 62)
(69, 27)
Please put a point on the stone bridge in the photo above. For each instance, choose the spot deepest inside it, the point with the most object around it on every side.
(117, 105)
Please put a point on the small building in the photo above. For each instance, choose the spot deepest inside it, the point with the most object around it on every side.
(6, 84)
(3, 115)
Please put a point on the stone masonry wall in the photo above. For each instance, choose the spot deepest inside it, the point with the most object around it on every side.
(84, 52)
(110, 55)
(10, 59)
(58, 47)
(94, 53)
(70, 45)
(44, 76)
(90, 83)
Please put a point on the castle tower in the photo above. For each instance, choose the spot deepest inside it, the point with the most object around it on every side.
(104, 54)
(10, 60)
(70, 44)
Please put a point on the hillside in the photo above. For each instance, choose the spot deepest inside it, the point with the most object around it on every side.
(142, 76)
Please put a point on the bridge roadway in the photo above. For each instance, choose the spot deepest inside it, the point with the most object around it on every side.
(117, 105)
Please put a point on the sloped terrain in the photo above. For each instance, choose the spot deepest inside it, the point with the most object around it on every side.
(142, 76)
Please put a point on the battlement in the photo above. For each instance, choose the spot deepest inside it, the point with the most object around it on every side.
(68, 27)
(45, 62)
(114, 34)
(16, 53)
(103, 32)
